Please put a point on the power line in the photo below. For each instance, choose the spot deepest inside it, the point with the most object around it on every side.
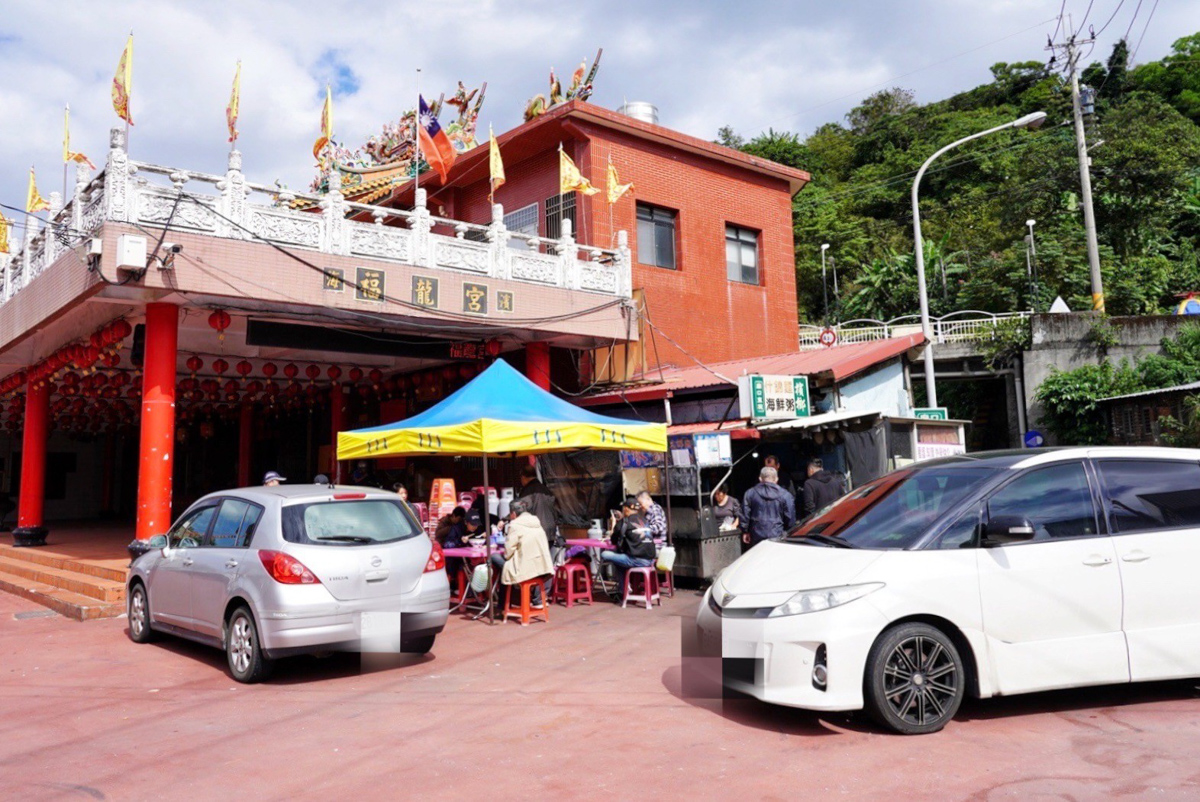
(1104, 27)
(1153, 8)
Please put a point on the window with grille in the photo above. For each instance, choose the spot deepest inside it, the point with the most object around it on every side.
(557, 208)
(741, 254)
(656, 236)
(522, 224)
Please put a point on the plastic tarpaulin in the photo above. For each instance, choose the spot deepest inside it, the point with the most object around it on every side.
(501, 412)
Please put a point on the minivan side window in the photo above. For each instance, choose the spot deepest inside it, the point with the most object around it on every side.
(1056, 500)
(1148, 495)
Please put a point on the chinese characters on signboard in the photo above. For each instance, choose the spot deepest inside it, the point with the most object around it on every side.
(774, 397)
(425, 291)
(334, 279)
(505, 301)
(475, 298)
(468, 351)
(931, 413)
(371, 284)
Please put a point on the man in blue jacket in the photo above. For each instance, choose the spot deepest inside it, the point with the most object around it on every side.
(768, 511)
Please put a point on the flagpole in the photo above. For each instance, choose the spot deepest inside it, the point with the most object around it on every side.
(417, 137)
(66, 147)
(612, 234)
(129, 96)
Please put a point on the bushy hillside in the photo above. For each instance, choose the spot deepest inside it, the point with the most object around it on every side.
(1145, 139)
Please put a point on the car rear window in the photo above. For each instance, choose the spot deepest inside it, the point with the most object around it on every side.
(348, 523)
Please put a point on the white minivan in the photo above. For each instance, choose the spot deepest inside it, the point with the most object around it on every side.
(987, 574)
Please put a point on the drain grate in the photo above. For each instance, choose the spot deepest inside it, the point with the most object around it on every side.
(34, 614)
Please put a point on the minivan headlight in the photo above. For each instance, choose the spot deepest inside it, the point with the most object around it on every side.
(812, 601)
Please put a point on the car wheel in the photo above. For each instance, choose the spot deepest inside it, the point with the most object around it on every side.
(246, 660)
(139, 614)
(915, 679)
(418, 645)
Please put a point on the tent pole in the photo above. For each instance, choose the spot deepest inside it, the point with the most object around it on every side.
(487, 530)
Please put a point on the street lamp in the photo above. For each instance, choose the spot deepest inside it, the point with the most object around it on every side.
(1031, 121)
(824, 286)
(1030, 260)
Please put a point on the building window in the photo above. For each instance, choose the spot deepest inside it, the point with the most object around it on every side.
(656, 236)
(522, 224)
(741, 254)
(557, 208)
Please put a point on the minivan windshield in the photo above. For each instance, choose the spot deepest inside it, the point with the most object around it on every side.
(340, 523)
(892, 512)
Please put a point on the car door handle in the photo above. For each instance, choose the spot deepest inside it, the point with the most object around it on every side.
(187, 561)
(1097, 560)
(1135, 556)
(231, 564)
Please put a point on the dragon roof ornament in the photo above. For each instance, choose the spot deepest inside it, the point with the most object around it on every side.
(582, 81)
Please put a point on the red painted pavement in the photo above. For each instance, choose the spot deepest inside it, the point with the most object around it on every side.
(586, 707)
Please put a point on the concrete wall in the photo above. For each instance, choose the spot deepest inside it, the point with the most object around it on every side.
(1064, 342)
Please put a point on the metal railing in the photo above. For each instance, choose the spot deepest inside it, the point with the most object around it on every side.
(957, 327)
(135, 193)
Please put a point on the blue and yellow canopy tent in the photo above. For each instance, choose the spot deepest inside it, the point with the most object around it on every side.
(500, 413)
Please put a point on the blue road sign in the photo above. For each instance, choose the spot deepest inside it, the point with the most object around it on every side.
(1034, 438)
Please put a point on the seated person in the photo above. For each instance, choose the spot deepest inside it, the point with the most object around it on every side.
(526, 555)
(632, 542)
(452, 523)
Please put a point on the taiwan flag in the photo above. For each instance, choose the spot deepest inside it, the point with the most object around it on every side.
(436, 147)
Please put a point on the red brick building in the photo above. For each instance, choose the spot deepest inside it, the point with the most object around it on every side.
(710, 228)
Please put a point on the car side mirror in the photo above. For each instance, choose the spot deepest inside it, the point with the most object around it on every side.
(157, 542)
(1004, 529)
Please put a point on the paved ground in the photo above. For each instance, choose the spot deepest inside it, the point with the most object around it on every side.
(587, 707)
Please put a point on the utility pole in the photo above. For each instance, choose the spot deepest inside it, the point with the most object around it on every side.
(1085, 174)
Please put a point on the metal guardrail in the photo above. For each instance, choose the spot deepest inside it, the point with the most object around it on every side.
(957, 327)
(135, 193)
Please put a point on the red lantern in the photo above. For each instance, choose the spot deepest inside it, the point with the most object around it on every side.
(254, 387)
(97, 340)
(271, 388)
(244, 368)
(417, 379)
(464, 372)
(290, 370)
(356, 374)
(334, 372)
(364, 390)
(194, 363)
(448, 372)
(220, 321)
(220, 366)
(312, 372)
(270, 369)
(376, 376)
(123, 329)
(493, 348)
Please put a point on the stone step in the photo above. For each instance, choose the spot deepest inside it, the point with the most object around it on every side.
(98, 588)
(113, 571)
(64, 602)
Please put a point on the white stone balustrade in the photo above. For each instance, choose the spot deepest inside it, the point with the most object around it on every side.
(124, 192)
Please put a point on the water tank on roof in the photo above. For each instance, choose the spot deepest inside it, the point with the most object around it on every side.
(640, 110)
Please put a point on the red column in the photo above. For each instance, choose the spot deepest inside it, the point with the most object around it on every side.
(33, 456)
(337, 410)
(157, 457)
(245, 443)
(537, 364)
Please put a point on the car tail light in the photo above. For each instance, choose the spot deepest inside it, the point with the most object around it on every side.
(437, 560)
(286, 569)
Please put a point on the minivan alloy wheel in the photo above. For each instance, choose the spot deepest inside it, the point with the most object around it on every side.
(920, 680)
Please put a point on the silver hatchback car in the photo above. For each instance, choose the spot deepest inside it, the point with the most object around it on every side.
(270, 572)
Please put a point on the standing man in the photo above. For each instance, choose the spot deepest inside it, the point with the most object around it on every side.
(785, 477)
(541, 501)
(656, 519)
(822, 488)
(768, 510)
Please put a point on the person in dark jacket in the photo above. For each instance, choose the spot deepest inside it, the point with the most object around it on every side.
(821, 489)
(541, 501)
(768, 511)
(633, 544)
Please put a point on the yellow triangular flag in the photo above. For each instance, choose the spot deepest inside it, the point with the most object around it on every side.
(615, 188)
(68, 154)
(326, 125)
(3, 234)
(235, 102)
(495, 164)
(34, 202)
(569, 177)
(123, 83)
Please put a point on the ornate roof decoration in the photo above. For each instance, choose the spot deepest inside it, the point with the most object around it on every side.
(385, 160)
(580, 89)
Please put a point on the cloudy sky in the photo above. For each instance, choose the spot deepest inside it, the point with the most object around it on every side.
(705, 63)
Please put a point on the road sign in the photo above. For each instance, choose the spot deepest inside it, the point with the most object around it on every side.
(931, 413)
(1034, 438)
(828, 337)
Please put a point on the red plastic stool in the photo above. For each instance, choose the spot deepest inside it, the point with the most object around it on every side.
(649, 593)
(525, 611)
(666, 582)
(572, 583)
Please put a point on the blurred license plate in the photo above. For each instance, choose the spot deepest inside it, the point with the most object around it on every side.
(380, 631)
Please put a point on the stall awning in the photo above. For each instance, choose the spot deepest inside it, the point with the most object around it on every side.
(827, 420)
(738, 429)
